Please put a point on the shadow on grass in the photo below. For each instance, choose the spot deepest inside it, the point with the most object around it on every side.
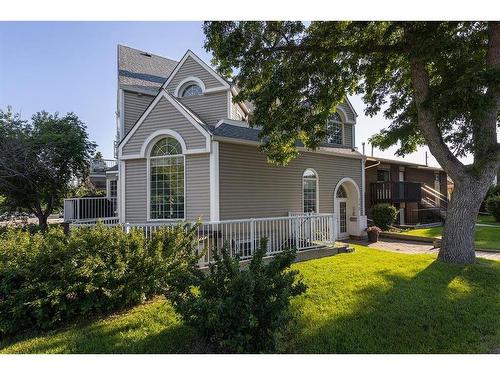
(442, 309)
(150, 328)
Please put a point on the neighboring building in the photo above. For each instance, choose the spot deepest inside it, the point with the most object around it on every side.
(186, 152)
(419, 192)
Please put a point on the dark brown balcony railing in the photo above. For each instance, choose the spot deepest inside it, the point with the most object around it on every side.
(395, 192)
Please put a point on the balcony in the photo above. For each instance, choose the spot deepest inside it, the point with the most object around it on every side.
(395, 192)
(90, 209)
(99, 167)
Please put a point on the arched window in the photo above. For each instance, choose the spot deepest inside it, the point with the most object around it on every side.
(341, 193)
(166, 172)
(310, 191)
(191, 90)
(334, 130)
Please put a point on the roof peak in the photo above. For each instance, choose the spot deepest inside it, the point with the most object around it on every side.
(120, 45)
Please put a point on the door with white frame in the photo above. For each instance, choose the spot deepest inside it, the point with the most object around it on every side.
(341, 209)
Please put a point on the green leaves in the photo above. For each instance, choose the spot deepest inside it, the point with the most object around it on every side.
(239, 310)
(296, 76)
(39, 159)
(48, 278)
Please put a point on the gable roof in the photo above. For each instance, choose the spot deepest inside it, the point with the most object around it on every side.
(203, 64)
(189, 115)
(143, 71)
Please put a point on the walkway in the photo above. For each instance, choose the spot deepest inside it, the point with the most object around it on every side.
(412, 247)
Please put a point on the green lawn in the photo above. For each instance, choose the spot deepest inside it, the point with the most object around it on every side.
(487, 219)
(369, 301)
(486, 237)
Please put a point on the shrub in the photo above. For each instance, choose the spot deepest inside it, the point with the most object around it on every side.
(493, 206)
(50, 278)
(235, 310)
(492, 191)
(384, 215)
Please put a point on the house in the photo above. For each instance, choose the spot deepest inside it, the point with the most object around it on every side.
(185, 151)
(419, 192)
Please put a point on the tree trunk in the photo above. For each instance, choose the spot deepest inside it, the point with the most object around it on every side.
(42, 221)
(459, 229)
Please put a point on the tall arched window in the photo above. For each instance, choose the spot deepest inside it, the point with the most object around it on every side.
(310, 191)
(166, 172)
(191, 90)
(334, 130)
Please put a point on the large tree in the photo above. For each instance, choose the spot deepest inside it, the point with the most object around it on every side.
(439, 83)
(39, 159)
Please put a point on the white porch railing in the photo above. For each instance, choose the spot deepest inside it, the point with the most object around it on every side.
(88, 210)
(243, 236)
(100, 166)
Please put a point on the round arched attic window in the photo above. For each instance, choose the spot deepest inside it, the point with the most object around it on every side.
(191, 89)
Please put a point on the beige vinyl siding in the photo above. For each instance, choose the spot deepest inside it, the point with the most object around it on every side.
(165, 116)
(134, 106)
(191, 68)
(250, 187)
(209, 107)
(351, 117)
(198, 187)
(348, 138)
(197, 193)
(135, 191)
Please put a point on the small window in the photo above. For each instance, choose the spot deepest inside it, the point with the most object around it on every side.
(191, 90)
(310, 191)
(334, 130)
(113, 188)
(341, 193)
(382, 175)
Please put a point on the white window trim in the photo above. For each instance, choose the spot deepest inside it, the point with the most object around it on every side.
(154, 137)
(108, 187)
(185, 82)
(204, 65)
(317, 189)
(342, 122)
(148, 187)
(171, 100)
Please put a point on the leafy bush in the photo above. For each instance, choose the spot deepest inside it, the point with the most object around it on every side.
(493, 206)
(492, 191)
(384, 215)
(50, 278)
(235, 310)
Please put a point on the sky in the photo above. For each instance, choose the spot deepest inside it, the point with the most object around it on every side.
(72, 67)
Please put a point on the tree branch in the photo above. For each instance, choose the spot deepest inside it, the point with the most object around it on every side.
(428, 124)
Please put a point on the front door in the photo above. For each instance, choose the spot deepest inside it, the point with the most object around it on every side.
(342, 210)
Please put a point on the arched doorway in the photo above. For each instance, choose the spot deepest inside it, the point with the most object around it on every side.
(346, 206)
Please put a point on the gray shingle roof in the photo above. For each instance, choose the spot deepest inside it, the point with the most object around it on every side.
(141, 70)
(225, 130)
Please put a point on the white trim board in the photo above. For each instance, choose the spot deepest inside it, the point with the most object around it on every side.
(214, 182)
(204, 65)
(189, 79)
(172, 101)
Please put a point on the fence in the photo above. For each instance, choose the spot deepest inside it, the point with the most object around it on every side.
(243, 237)
(88, 209)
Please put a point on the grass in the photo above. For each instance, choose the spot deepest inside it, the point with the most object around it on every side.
(487, 219)
(369, 301)
(486, 237)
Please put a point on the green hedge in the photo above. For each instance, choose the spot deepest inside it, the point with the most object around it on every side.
(384, 215)
(493, 206)
(49, 278)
